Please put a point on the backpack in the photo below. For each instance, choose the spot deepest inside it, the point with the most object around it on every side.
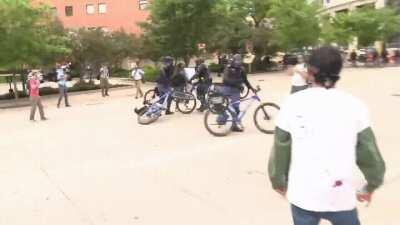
(178, 79)
(233, 77)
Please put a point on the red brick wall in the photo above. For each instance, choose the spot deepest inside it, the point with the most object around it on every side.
(121, 14)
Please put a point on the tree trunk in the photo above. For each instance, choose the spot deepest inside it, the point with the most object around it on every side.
(187, 60)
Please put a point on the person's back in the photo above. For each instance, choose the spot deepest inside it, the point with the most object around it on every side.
(202, 73)
(321, 134)
(323, 124)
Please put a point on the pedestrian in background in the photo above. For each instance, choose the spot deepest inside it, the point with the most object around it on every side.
(62, 85)
(299, 76)
(353, 58)
(137, 75)
(34, 84)
(104, 80)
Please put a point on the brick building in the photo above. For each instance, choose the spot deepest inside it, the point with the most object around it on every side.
(110, 15)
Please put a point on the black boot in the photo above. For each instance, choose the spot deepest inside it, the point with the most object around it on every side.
(140, 111)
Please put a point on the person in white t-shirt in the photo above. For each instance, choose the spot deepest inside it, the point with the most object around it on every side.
(321, 133)
(137, 75)
(299, 78)
(104, 80)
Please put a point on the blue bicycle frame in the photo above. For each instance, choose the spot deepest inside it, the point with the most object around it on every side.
(242, 113)
(159, 105)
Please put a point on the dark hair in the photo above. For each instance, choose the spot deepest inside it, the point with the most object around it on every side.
(326, 63)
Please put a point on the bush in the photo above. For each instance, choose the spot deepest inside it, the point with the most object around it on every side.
(80, 86)
(215, 68)
(21, 94)
(151, 74)
(119, 72)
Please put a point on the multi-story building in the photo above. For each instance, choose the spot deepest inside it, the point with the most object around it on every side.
(110, 15)
(342, 6)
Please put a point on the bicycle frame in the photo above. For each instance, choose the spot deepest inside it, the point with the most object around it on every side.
(242, 113)
(161, 104)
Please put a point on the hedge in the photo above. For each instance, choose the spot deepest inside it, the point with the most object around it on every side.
(80, 86)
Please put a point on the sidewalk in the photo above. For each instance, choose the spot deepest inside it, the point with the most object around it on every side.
(24, 102)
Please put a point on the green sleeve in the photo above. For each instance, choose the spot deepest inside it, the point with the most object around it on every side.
(369, 159)
(279, 160)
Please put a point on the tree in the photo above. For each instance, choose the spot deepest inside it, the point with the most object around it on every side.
(147, 48)
(368, 25)
(123, 45)
(178, 26)
(28, 36)
(296, 23)
(394, 4)
(336, 30)
(90, 49)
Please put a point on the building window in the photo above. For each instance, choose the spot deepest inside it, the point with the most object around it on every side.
(102, 8)
(143, 4)
(69, 11)
(90, 9)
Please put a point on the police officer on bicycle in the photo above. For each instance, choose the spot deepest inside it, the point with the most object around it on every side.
(203, 75)
(164, 80)
(233, 79)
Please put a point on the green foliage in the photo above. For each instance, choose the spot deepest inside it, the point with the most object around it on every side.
(178, 26)
(151, 73)
(215, 68)
(28, 35)
(77, 87)
(368, 25)
(119, 72)
(122, 46)
(296, 24)
(394, 4)
(95, 47)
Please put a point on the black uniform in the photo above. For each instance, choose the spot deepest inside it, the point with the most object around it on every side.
(205, 81)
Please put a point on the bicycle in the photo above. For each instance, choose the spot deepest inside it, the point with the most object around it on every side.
(151, 112)
(222, 115)
(185, 101)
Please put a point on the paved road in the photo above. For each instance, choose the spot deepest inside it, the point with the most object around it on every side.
(92, 164)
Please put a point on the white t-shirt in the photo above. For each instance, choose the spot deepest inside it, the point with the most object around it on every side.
(323, 125)
(297, 79)
(104, 73)
(137, 74)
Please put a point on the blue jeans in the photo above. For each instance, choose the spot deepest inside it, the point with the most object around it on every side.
(63, 94)
(233, 94)
(305, 217)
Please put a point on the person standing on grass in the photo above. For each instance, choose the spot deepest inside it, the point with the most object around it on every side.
(104, 77)
(62, 85)
(321, 133)
(299, 77)
(137, 75)
(34, 84)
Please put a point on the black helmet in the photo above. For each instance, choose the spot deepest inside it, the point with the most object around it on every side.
(236, 60)
(168, 60)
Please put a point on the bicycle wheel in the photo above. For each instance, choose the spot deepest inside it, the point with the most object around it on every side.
(244, 92)
(264, 117)
(187, 104)
(218, 125)
(147, 118)
(150, 97)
